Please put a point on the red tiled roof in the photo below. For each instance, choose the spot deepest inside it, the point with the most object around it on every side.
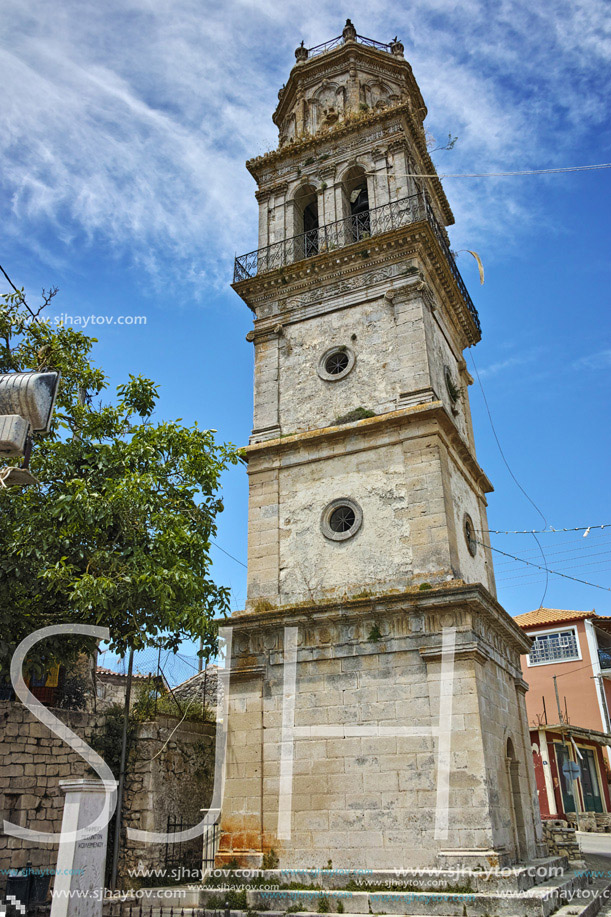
(551, 616)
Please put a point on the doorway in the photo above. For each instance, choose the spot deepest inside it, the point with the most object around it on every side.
(592, 798)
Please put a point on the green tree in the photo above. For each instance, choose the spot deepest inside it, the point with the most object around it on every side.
(118, 531)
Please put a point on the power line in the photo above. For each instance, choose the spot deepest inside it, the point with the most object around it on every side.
(547, 531)
(572, 556)
(591, 168)
(577, 546)
(554, 572)
(596, 563)
(517, 483)
(228, 554)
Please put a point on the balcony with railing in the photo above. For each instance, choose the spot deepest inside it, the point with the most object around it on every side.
(354, 228)
(341, 40)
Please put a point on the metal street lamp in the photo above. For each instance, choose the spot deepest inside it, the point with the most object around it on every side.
(26, 406)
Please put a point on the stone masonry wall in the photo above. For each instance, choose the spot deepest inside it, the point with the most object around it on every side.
(369, 800)
(33, 761)
(170, 780)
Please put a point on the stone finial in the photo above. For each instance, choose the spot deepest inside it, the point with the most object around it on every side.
(397, 47)
(349, 32)
(301, 53)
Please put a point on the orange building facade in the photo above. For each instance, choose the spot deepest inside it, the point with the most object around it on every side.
(569, 675)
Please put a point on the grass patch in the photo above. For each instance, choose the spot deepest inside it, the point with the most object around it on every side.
(356, 414)
(235, 901)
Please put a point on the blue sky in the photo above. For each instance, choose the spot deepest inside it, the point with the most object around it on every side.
(125, 127)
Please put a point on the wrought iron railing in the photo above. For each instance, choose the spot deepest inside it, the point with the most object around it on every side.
(340, 40)
(344, 232)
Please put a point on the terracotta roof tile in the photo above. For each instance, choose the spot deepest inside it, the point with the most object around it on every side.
(100, 670)
(551, 616)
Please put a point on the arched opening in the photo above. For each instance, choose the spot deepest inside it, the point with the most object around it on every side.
(515, 797)
(306, 222)
(357, 204)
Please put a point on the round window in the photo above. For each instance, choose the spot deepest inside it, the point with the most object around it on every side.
(336, 363)
(341, 519)
(470, 538)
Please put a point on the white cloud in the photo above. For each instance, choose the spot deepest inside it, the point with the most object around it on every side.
(128, 122)
(599, 360)
(520, 359)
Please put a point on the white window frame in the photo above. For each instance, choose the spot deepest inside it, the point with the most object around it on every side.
(555, 630)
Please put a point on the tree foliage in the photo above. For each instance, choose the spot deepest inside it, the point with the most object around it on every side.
(118, 531)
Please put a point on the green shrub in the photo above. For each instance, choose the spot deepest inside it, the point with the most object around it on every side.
(270, 860)
(356, 414)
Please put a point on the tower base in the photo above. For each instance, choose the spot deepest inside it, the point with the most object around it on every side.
(379, 732)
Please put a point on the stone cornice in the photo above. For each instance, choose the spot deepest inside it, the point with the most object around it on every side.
(373, 427)
(412, 127)
(308, 141)
(414, 239)
(439, 599)
(473, 650)
(246, 672)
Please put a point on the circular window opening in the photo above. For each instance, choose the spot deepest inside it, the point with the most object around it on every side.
(341, 519)
(470, 538)
(336, 363)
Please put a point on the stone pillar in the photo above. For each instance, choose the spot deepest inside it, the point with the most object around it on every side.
(378, 183)
(264, 217)
(266, 417)
(79, 883)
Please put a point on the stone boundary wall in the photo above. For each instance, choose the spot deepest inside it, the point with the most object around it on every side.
(170, 772)
(561, 839)
(32, 762)
(170, 777)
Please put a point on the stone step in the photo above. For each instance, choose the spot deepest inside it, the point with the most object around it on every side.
(497, 879)
(538, 901)
(564, 896)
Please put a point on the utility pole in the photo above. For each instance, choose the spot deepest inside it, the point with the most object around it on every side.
(562, 722)
(117, 836)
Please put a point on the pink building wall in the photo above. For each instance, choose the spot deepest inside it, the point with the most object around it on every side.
(575, 683)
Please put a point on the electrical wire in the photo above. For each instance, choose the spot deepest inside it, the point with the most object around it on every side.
(597, 563)
(574, 550)
(515, 480)
(591, 168)
(558, 561)
(553, 572)
(228, 554)
(517, 483)
(551, 530)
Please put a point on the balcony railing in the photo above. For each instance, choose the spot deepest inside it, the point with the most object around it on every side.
(340, 40)
(344, 232)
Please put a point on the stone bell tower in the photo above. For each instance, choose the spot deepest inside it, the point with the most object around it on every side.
(368, 547)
